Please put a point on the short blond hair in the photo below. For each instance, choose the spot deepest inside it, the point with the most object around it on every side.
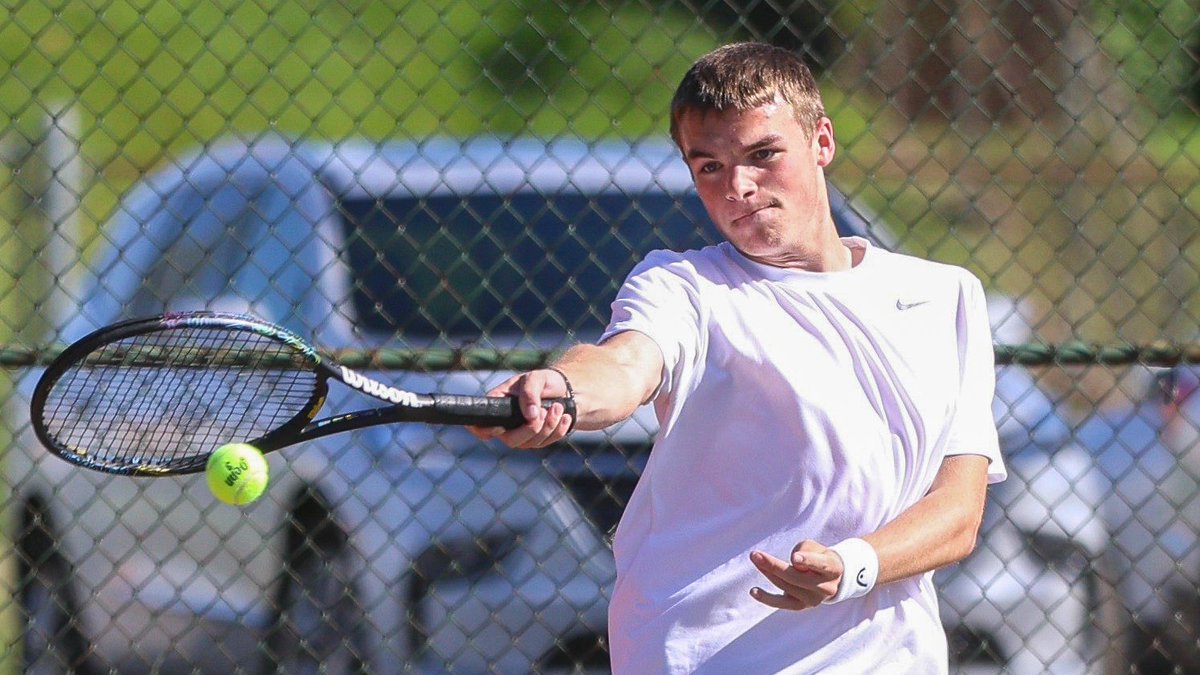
(746, 75)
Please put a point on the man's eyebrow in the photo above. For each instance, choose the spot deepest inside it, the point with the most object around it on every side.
(773, 139)
(765, 141)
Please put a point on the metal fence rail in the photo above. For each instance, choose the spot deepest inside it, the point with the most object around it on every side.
(442, 192)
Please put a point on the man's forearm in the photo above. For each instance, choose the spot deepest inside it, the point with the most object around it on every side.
(938, 530)
(611, 380)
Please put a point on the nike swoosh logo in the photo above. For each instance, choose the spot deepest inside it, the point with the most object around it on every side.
(900, 305)
(861, 573)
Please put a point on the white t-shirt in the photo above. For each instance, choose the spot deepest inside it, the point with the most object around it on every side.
(794, 405)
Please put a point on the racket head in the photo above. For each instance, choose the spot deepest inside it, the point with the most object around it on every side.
(156, 396)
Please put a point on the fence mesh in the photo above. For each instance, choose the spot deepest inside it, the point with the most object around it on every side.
(441, 192)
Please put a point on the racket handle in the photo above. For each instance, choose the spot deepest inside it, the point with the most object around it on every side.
(488, 411)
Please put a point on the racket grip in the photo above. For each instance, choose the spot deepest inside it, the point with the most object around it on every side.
(489, 411)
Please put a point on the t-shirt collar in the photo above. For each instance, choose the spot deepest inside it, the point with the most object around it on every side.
(788, 273)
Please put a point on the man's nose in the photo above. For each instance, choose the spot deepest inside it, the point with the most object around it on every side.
(741, 183)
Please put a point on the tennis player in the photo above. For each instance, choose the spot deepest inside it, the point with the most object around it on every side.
(826, 436)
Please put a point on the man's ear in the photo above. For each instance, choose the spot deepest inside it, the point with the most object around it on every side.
(823, 140)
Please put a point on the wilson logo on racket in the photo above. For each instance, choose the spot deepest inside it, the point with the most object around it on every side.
(379, 389)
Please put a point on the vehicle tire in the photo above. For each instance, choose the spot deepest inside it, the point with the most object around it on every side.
(51, 642)
(1113, 623)
(314, 627)
(1174, 644)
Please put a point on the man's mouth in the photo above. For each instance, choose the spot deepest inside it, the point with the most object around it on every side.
(751, 212)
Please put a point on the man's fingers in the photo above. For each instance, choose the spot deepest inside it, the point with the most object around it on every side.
(799, 600)
(530, 395)
(806, 580)
(781, 574)
(824, 564)
(543, 424)
(550, 425)
(768, 564)
(486, 433)
(562, 426)
(775, 567)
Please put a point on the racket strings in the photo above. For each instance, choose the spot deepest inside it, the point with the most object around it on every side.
(166, 399)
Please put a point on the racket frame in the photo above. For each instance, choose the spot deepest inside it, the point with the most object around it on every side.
(404, 406)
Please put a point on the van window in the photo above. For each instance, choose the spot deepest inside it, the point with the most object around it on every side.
(448, 266)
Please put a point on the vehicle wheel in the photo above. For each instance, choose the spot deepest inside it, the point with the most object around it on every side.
(1113, 623)
(314, 629)
(1174, 644)
(51, 642)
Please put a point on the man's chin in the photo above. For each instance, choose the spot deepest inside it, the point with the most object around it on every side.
(756, 251)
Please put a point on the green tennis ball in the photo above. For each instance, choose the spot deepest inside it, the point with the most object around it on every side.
(237, 473)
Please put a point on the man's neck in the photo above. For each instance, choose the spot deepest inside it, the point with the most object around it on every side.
(831, 256)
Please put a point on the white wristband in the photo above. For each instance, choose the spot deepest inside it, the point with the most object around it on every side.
(860, 566)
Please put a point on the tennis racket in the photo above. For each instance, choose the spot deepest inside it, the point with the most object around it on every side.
(156, 396)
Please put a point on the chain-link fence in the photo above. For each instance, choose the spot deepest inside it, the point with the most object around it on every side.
(447, 191)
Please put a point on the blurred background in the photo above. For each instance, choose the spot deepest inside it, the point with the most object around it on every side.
(448, 191)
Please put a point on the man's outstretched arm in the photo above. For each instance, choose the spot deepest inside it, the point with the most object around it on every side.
(609, 381)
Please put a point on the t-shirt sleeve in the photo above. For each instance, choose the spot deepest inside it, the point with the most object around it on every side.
(973, 429)
(657, 300)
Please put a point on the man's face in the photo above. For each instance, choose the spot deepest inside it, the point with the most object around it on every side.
(761, 177)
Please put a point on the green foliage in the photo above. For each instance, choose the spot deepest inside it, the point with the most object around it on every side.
(157, 76)
(1148, 41)
(154, 79)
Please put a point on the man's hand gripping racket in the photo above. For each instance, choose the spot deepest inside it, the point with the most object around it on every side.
(546, 424)
(156, 396)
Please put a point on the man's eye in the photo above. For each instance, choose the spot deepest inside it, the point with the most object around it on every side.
(765, 153)
(709, 167)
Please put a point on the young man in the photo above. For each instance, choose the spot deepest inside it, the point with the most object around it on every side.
(825, 406)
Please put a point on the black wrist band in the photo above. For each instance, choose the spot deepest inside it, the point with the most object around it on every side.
(570, 394)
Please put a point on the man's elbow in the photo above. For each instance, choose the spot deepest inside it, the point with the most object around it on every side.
(963, 482)
(966, 536)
